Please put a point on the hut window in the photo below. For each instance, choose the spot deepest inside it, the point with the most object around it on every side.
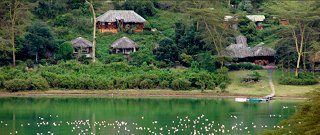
(109, 23)
(102, 23)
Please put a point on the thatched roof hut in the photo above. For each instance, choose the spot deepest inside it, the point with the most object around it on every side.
(81, 43)
(124, 43)
(125, 15)
(238, 51)
(262, 50)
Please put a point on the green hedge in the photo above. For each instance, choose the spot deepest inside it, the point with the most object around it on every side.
(302, 79)
(38, 83)
(72, 75)
(242, 66)
(17, 84)
(181, 84)
(297, 81)
(32, 83)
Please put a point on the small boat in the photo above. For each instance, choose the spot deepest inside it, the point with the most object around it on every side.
(241, 99)
(258, 100)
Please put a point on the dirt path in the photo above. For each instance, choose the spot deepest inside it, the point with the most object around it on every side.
(273, 91)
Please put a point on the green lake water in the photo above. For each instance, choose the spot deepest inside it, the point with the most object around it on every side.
(127, 116)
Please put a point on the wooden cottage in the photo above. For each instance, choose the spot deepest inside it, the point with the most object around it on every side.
(81, 47)
(124, 46)
(257, 19)
(240, 52)
(114, 21)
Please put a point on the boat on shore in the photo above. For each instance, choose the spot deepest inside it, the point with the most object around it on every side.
(253, 100)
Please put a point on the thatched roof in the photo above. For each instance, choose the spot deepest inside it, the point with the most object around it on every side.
(262, 50)
(238, 51)
(81, 43)
(242, 51)
(125, 15)
(124, 42)
(241, 40)
(256, 18)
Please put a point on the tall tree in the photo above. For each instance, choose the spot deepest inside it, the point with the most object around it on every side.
(14, 9)
(39, 41)
(167, 51)
(301, 14)
(211, 25)
(94, 30)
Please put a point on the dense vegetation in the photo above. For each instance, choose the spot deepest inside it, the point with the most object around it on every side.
(117, 75)
(189, 34)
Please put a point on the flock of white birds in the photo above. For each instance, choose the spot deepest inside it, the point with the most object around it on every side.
(183, 125)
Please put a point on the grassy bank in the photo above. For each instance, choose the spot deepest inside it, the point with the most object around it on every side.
(262, 88)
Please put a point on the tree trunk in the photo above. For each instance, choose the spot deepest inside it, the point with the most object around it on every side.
(304, 59)
(298, 65)
(13, 16)
(13, 43)
(282, 68)
(37, 57)
(94, 31)
(288, 62)
(313, 68)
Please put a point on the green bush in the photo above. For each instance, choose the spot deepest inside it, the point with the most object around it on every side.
(164, 84)
(38, 83)
(242, 66)
(134, 82)
(221, 76)
(181, 84)
(2, 79)
(118, 75)
(30, 63)
(223, 86)
(17, 85)
(300, 80)
(146, 84)
(103, 83)
(120, 83)
(253, 77)
(114, 58)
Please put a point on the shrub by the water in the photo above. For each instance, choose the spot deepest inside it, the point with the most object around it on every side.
(2, 79)
(119, 75)
(146, 84)
(17, 84)
(223, 86)
(38, 83)
(164, 84)
(181, 84)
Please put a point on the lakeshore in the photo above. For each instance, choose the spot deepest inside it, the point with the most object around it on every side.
(137, 94)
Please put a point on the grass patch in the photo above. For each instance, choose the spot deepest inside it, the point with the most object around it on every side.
(262, 88)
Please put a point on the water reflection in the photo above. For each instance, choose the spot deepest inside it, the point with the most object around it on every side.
(65, 116)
